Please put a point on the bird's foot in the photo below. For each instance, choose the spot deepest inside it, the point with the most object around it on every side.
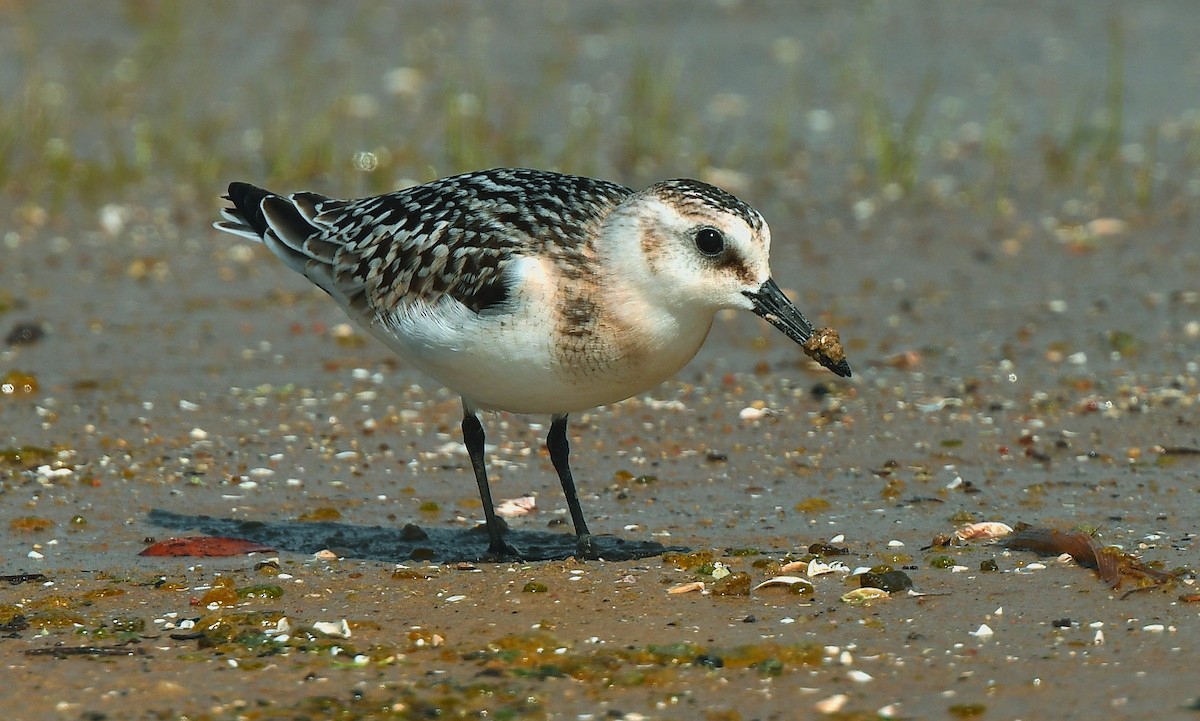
(500, 552)
(587, 548)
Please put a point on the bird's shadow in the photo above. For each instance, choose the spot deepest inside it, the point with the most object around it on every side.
(387, 543)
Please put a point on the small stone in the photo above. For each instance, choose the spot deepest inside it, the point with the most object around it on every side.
(25, 333)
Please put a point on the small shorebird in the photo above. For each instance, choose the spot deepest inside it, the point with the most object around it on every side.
(531, 291)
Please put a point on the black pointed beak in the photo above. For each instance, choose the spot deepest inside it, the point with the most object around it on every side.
(773, 306)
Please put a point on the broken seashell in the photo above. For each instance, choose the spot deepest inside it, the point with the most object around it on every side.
(984, 531)
(820, 568)
(784, 581)
(863, 596)
(333, 628)
(516, 507)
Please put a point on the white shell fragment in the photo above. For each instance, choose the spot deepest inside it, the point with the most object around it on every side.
(983, 531)
(784, 581)
(750, 413)
(833, 704)
(686, 587)
(516, 507)
(820, 568)
(984, 631)
(333, 628)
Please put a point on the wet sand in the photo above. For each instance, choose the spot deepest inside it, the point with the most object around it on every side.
(1039, 366)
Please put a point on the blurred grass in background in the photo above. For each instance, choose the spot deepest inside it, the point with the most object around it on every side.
(797, 104)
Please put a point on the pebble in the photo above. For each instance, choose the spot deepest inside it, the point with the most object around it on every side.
(833, 704)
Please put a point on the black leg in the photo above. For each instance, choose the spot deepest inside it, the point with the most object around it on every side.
(560, 451)
(473, 437)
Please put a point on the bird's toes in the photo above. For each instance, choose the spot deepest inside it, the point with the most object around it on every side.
(501, 552)
(587, 547)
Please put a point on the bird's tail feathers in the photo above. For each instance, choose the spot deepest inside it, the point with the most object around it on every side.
(245, 216)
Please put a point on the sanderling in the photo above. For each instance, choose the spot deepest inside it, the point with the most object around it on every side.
(531, 291)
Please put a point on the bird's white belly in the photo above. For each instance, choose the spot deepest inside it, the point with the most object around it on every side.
(517, 365)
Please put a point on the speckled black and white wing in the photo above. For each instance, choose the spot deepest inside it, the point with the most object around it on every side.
(453, 237)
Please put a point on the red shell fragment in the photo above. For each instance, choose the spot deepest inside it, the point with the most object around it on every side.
(205, 546)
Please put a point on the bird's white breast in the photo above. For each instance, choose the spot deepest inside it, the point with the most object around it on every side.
(559, 345)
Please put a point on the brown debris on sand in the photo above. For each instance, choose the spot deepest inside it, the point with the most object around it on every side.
(1110, 563)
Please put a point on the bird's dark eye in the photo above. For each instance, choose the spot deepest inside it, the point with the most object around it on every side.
(710, 241)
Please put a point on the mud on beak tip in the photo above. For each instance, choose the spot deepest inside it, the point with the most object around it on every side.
(772, 305)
